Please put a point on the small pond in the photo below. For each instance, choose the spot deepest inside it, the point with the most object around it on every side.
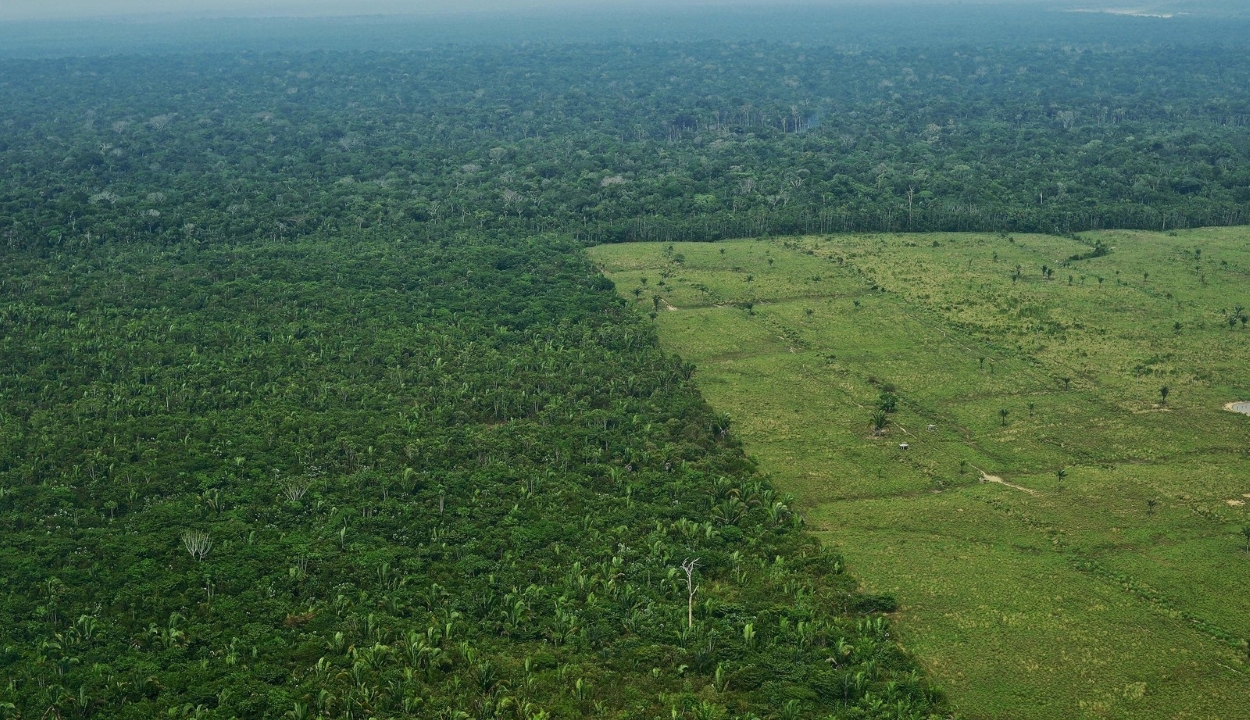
(1242, 407)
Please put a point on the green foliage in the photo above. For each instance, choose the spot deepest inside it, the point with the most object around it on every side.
(385, 477)
(879, 420)
(887, 402)
(612, 142)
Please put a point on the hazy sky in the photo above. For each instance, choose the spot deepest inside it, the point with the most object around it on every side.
(48, 9)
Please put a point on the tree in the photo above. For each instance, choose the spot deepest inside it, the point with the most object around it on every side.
(879, 421)
(1163, 393)
(1002, 414)
(689, 566)
(198, 543)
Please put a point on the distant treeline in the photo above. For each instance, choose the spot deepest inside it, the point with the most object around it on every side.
(622, 142)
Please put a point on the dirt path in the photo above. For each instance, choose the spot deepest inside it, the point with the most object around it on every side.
(986, 477)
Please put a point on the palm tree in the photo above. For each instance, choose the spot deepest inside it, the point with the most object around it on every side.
(1002, 413)
(879, 420)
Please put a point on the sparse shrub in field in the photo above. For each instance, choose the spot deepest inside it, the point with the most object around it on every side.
(887, 401)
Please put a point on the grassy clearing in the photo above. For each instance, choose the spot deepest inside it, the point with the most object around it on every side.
(1112, 580)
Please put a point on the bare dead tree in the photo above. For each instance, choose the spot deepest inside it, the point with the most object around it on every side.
(691, 588)
(295, 490)
(198, 543)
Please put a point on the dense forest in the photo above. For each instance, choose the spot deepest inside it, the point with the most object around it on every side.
(622, 142)
(376, 476)
(310, 405)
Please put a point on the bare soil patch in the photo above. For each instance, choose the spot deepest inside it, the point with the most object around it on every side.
(1242, 407)
(986, 477)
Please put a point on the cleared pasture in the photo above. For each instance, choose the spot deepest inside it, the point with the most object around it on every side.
(1107, 576)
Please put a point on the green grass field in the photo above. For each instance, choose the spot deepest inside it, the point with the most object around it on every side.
(1107, 576)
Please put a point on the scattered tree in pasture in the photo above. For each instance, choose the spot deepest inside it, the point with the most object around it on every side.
(1002, 414)
(879, 420)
